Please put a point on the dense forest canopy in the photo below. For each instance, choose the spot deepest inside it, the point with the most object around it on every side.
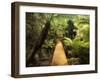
(42, 30)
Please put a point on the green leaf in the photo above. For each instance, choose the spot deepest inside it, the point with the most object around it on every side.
(67, 41)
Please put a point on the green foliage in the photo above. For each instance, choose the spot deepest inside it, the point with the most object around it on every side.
(73, 61)
(48, 44)
(67, 41)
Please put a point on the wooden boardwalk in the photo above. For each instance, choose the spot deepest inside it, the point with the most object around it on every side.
(59, 56)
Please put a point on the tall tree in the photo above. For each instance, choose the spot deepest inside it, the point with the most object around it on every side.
(70, 31)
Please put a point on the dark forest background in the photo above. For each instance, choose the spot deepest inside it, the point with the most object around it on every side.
(42, 29)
